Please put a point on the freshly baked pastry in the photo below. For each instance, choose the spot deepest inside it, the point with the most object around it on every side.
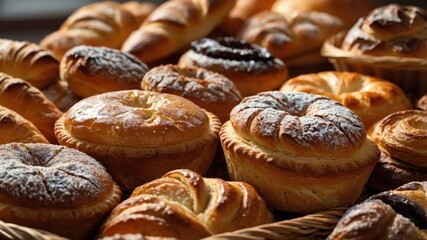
(28, 61)
(140, 135)
(302, 152)
(184, 205)
(250, 67)
(54, 188)
(105, 23)
(140, 10)
(397, 214)
(173, 25)
(30, 103)
(94, 70)
(390, 30)
(60, 95)
(369, 97)
(209, 90)
(14, 128)
(402, 139)
(422, 102)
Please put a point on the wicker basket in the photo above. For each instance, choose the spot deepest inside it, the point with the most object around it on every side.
(409, 73)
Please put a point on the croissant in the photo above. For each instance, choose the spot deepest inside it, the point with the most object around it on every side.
(98, 24)
(174, 25)
(28, 61)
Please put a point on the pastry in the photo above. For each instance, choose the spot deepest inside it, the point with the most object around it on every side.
(402, 139)
(140, 135)
(302, 152)
(54, 188)
(422, 102)
(93, 70)
(173, 25)
(105, 23)
(369, 97)
(140, 10)
(184, 205)
(209, 90)
(29, 62)
(60, 95)
(250, 67)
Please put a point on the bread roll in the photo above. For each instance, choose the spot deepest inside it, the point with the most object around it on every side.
(140, 10)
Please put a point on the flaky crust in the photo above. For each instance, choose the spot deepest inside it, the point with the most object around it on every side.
(104, 23)
(209, 90)
(174, 25)
(184, 205)
(94, 70)
(140, 135)
(369, 97)
(302, 152)
(28, 61)
(54, 188)
(30, 103)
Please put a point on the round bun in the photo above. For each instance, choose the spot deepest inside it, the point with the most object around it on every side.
(184, 205)
(209, 90)
(94, 70)
(370, 98)
(54, 188)
(250, 67)
(140, 135)
(302, 152)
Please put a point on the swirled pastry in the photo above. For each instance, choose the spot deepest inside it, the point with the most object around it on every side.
(54, 188)
(369, 97)
(250, 67)
(184, 205)
(402, 139)
(140, 135)
(209, 90)
(302, 152)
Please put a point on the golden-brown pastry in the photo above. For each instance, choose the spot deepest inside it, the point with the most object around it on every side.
(29, 62)
(402, 139)
(14, 128)
(59, 94)
(391, 30)
(105, 23)
(302, 152)
(30, 103)
(93, 70)
(174, 25)
(140, 135)
(140, 10)
(209, 90)
(421, 102)
(184, 205)
(250, 67)
(369, 97)
(397, 214)
(54, 188)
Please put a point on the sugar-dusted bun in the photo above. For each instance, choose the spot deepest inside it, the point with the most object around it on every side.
(390, 30)
(94, 70)
(209, 90)
(184, 205)
(302, 152)
(369, 97)
(54, 188)
(14, 128)
(421, 102)
(140, 135)
(141, 10)
(29, 62)
(60, 95)
(250, 67)
(30, 103)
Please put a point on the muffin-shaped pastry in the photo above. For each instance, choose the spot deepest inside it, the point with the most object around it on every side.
(209, 90)
(370, 98)
(396, 214)
(54, 188)
(94, 70)
(60, 95)
(251, 67)
(14, 128)
(29, 102)
(302, 152)
(140, 135)
(28, 61)
(184, 205)
(422, 102)
(402, 139)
